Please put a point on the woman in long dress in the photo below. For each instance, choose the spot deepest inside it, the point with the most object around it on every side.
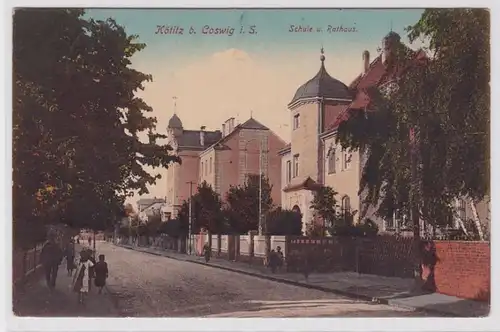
(81, 279)
(70, 257)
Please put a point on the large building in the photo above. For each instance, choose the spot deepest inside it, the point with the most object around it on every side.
(187, 144)
(313, 158)
(221, 158)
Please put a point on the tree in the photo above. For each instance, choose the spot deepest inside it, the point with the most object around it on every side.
(284, 222)
(325, 208)
(76, 120)
(175, 228)
(440, 109)
(153, 224)
(208, 206)
(205, 210)
(243, 204)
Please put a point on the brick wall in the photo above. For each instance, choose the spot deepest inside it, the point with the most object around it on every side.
(463, 269)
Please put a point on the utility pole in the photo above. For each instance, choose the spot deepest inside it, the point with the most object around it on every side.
(190, 214)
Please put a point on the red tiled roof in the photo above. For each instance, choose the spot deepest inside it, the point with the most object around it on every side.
(376, 75)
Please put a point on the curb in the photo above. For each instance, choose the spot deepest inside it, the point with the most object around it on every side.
(352, 295)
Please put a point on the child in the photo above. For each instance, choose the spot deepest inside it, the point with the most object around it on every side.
(101, 273)
(81, 279)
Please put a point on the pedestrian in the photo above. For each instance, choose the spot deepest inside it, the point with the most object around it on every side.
(273, 261)
(70, 257)
(101, 273)
(279, 257)
(51, 257)
(90, 241)
(207, 252)
(81, 279)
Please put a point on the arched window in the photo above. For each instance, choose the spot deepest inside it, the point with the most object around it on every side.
(346, 205)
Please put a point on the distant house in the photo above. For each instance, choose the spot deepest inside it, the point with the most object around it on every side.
(148, 207)
(149, 203)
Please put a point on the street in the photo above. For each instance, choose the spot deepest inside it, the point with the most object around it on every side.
(146, 285)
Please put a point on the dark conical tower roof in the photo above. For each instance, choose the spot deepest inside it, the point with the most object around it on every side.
(322, 85)
(175, 122)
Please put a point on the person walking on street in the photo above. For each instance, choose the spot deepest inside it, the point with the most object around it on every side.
(273, 261)
(70, 257)
(90, 241)
(207, 252)
(81, 279)
(51, 257)
(101, 273)
(279, 258)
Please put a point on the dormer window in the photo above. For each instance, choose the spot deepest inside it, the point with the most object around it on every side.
(296, 121)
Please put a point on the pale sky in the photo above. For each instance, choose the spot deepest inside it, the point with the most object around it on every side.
(217, 77)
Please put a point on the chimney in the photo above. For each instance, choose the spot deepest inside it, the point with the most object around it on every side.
(223, 129)
(229, 126)
(366, 61)
(202, 135)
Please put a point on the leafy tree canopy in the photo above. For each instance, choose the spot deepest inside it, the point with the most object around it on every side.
(77, 120)
(243, 204)
(446, 102)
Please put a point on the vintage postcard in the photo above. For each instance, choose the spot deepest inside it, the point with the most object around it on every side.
(251, 162)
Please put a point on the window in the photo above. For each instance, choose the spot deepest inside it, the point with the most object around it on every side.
(296, 166)
(202, 165)
(346, 205)
(400, 220)
(210, 165)
(346, 160)
(288, 171)
(296, 121)
(461, 213)
(331, 160)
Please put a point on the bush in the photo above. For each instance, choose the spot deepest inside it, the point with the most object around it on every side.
(315, 230)
(365, 229)
(284, 222)
(175, 228)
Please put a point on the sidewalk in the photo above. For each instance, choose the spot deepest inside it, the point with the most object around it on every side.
(36, 300)
(384, 290)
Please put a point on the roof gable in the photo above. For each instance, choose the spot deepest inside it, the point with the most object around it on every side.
(377, 75)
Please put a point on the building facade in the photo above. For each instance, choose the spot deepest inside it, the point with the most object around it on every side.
(313, 159)
(221, 158)
(183, 177)
(244, 150)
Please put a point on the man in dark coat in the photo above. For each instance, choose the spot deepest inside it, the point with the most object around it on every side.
(51, 257)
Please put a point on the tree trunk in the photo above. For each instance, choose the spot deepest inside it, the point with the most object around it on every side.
(475, 217)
